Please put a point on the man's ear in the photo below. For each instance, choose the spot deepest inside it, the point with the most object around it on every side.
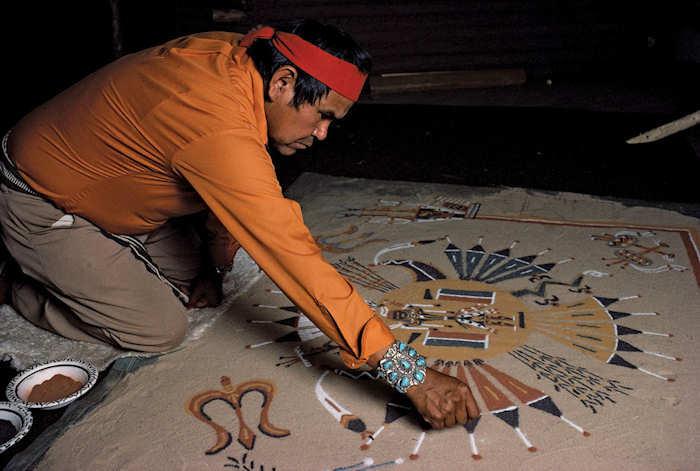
(282, 83)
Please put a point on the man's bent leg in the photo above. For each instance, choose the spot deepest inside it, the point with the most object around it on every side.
(85, 285)
(176, 248)
(148, 333)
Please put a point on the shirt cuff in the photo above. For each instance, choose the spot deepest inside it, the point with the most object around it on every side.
(375, 336)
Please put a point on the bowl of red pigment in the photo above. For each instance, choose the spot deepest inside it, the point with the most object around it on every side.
(52, 385)
(15, 422)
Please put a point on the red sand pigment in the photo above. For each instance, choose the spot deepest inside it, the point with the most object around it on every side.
(58, 387)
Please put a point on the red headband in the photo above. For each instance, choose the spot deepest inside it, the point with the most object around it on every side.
(343, 77)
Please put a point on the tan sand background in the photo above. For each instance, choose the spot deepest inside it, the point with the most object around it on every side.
(643, 423)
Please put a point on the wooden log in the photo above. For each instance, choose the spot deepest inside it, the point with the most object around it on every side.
(428, 81)
(229, 15)
(667, 129)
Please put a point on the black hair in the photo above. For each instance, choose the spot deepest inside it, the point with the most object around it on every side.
(331, 39)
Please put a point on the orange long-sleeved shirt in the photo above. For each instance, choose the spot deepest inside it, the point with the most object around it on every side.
(174, 130)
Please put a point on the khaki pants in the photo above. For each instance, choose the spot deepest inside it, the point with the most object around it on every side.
(84, 285)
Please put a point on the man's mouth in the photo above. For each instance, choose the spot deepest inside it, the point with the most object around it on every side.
(299, 145)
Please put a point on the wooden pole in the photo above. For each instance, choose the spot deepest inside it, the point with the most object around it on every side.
(449, 80)
(667, 129)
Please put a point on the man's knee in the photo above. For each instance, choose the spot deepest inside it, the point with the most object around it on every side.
(166, 333)
(174, 333)
(158, 328)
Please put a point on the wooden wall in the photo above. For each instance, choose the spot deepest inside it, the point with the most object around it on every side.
(442, 35)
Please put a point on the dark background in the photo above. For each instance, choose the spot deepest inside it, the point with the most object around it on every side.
(598, 73)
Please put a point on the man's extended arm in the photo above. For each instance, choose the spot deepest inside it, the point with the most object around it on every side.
(241, 189)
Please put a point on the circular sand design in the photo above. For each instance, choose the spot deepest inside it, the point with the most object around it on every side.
(456, 319)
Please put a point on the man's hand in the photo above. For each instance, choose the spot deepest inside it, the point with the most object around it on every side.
(443, 400)
(206, 291)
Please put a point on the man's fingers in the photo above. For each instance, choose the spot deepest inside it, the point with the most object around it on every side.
(472, 408)
(445, 401)
(192, 301)
(448, 404)
(458, 409)
(434, 415)
(461, 415)
(196, 299)
(437, 425)
(450, 420)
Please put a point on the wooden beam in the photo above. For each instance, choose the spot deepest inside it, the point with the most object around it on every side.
(667, 129)
(429, 81)
(230, 15)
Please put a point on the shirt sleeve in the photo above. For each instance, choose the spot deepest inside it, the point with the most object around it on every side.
(221, 245)
(235, 177)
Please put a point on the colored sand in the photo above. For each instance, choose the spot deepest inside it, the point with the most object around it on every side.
(58, 387)
(7, 431)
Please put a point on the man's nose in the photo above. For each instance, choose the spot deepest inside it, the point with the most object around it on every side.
(321, 131)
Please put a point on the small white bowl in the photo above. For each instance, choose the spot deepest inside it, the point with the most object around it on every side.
(21, 385)
(20, 417)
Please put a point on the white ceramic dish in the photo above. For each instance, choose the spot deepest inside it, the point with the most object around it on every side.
(21, 385)
(20, 417)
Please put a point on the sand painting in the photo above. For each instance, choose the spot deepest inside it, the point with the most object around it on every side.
(487, 312)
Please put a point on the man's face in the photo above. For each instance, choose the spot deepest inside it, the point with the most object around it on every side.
(291, 129)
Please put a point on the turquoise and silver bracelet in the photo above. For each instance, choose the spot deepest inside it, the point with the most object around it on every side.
(402, 367)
